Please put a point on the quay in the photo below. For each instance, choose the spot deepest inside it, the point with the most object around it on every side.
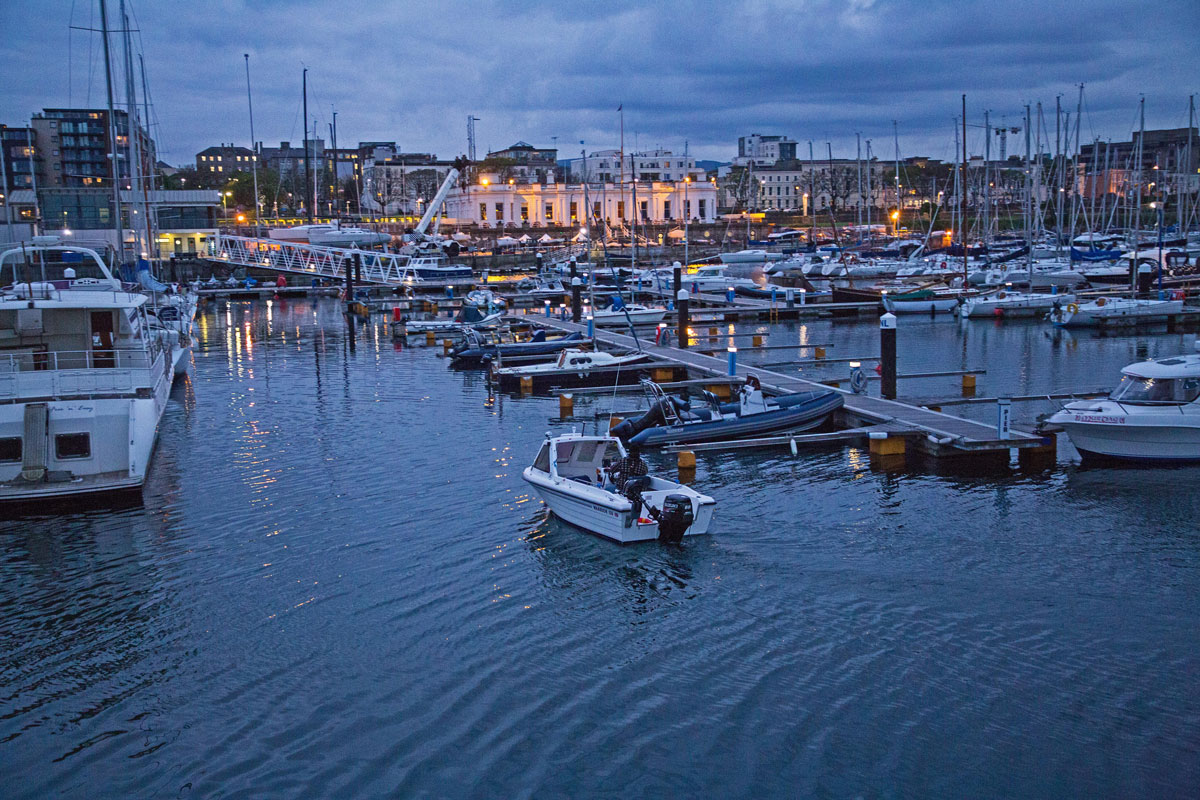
(931, 432)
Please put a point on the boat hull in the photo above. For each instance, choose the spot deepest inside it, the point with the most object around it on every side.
(1136, 442)
(801, 416)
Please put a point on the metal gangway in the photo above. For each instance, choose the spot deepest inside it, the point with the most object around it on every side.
(391, 269)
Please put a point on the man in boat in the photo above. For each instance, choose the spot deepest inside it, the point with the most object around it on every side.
(630, 467)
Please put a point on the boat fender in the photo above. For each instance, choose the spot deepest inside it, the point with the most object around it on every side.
(1073, 308)
(675, 517)
(1100, 302)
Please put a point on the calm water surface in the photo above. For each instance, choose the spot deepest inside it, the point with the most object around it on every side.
(338, 585)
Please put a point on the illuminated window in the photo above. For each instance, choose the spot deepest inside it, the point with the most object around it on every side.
(549, 211)
(499, 212)
(483, 212)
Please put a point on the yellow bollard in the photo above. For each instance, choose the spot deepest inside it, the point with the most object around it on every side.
(434, 306)
(527, 385)
(447, 346)
(757, 340)
(663, 374)
(713, 332)
(430, 339)
(968, 382)
(566, 405)
(819, 352)
(614, 422)
(686, 460)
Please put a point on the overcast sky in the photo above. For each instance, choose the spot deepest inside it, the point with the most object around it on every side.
(701, 72)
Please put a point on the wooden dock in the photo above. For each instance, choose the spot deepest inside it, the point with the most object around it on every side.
(931, 432)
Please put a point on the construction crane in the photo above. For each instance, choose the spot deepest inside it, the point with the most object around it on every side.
(1003, 133)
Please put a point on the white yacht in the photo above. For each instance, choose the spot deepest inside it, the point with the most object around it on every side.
(750, 257)
(631, 312)
(1007, 303)
(329, 236)
(1106, 311)
(83, 376)
(1152, 415)
(709, 278)
(571, 473)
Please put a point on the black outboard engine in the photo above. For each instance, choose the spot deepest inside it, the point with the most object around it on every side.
(674, 518)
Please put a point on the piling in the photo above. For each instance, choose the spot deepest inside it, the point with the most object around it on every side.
(886, 445)
(1041, 456)
(819, 352)
(430, 339)
(682, 306)
(678, 270)
(447, 346)
(686, 460)
(757, 340)
(574, 267)
(527, 385)
(566, 405)
(887, 350)
(968, 384)
(349, 266)
(732, 360)
(357, 267)
(576, 299)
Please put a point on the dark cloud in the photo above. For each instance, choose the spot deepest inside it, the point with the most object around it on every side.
(704, 72)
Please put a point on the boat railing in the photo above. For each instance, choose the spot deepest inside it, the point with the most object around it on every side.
(79, 373)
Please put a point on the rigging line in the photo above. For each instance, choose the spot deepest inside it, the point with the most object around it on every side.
(70, 63)
(91, 58)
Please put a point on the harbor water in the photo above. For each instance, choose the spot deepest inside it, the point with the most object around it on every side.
(338, 585)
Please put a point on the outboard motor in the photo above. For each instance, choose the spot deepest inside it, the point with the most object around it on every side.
(674, 518)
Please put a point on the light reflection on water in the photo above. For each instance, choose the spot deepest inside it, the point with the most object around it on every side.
(338, 585)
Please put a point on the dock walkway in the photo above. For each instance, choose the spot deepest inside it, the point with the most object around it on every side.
(933, 432)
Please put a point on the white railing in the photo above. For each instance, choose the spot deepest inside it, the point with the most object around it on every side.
(78, 373)
(315, 260)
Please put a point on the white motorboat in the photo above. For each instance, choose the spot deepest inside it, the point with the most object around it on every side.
(571, 474)
(709, 278)
(469, 317)
(923, 301)
(83, 377)
(1104, 311)
(573, 360)
(1152, 415)
(542, 286)
(347, 237)
(750, 257)
(432, 272)
(1007, 303)
(631, 312)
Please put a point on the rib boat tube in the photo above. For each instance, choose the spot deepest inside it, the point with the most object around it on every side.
(478, 349)
(671, 420)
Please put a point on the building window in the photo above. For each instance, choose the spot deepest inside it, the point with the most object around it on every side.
(666, 209)
(596, 212)
(703, 203)
(621, 209)
(483, 212)
(499, 212)
(574, 211)
(549, 212)
(524, 213)
(10, 448)
(687, 208)
(72, 445)
(645, 209)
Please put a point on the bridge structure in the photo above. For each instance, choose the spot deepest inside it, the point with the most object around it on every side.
(319, 261)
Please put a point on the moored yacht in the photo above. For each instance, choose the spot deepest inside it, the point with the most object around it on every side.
(1152, 415)
(83, 376)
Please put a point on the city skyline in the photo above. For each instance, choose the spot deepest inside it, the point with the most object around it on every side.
(555, 78)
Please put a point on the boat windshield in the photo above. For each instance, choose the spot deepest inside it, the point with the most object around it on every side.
(1156, 391)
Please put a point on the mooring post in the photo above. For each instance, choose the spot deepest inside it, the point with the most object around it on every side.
(678, 270)
(538, 256)
(681, 303)
(591, 320)
(1003, 417)
(574, 267)
(732, 360)
(790, 297)
(887, 352)
(357, 267)
(547, 302)
(576, 299)
(349, 280)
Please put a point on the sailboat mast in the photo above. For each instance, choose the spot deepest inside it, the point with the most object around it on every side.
(962, 197)
(307, 163)
(1028, 202)
(1191, 127)
(896, 140)
(135, 152)
(112, 136)
(870, 195)
(812, 196)
(1058, 169)
(858, 168)
(148, 179)
(987, 177)
(253, 152)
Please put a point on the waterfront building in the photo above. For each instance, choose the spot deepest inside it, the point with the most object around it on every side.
(401, 183)
(224, 160)
(608, 166)
(522, 162)
(20, 158)
(75, 147)
(184, 218)
(1112, 167)
(521, 205)
(764, 151)
(792, 186)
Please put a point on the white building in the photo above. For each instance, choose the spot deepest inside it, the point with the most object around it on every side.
(763, 151)
(792, 187)
(607, 166)
(563, 204)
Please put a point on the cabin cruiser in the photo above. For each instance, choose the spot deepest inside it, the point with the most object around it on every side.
(572, 361)
(1114, 311)
(750, 257)
(1152, 415)
(543, 286)
(574, 475)
(1007, 303)
(709, 278)
(671, 420)
(479, 347)
(83, 376)
(628, 313)
(432, 272)
(329, 236)
(469, 317)
(299, 233)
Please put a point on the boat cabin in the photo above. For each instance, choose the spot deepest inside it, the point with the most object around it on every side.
(582, 458)
(1168, 381)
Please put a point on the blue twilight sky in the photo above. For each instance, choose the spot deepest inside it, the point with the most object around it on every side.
(705, 72)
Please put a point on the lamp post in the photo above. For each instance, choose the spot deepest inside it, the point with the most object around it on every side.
(687, 216)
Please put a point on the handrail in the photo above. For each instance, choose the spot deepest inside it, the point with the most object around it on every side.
(56, 361)
(316, 260)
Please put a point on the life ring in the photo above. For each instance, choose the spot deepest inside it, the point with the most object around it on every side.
(1100, 302)
(1073, 308)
